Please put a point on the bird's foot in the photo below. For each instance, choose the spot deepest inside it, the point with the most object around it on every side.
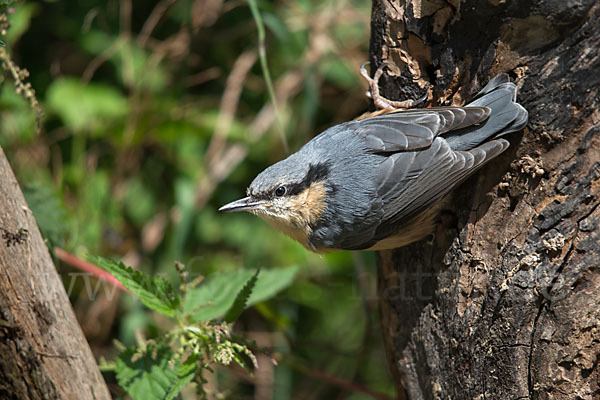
(373, 92)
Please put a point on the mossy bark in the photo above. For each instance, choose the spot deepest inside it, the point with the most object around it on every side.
(504, 302)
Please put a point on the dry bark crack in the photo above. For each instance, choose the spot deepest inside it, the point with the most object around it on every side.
(505, 302)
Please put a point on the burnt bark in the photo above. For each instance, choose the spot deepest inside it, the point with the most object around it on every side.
(43, 353)
(504, 302)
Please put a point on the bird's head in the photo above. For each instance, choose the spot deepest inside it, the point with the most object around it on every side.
(289, 196)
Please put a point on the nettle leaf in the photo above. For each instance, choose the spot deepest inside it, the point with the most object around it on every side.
(185, 373)
(151, 374)
(244, 357)
(239, 304)
(271, 282)
(155, 292)
(217, 294)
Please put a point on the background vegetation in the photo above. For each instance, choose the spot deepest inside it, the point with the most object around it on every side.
(157, 113)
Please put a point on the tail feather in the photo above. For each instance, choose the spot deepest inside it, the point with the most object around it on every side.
(506, 115)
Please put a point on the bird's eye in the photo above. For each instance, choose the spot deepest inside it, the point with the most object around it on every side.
(280, 191)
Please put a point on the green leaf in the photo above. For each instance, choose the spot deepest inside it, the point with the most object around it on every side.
(155, 292)
(338, 72)
(217, 294)
(49, 212)
(185, 197)
(272, 282)
(239, 304)
(244, 357)
(90, 107)
(128, 58)
(6, 3)
(147, 374)
(139, 202)
(18, 120)
(185, 373)
(20, 21)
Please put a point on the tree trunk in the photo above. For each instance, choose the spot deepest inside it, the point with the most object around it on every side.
(43, 353)
(504, 303)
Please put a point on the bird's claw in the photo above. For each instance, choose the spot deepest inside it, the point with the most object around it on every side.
(373, 92)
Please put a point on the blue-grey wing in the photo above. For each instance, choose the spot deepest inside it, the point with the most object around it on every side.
(410, 182)
(428, 152)
(418, 166)
(415, 129)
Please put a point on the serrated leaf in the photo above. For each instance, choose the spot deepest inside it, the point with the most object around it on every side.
(271, 282)
(148, 375)
(244, 357)
(185, 373)
(155, 292)
(239, 304)
(216, 295)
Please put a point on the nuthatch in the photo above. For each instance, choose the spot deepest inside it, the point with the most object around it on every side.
(377, 182)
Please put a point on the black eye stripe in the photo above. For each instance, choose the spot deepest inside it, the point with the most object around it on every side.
(316, 173)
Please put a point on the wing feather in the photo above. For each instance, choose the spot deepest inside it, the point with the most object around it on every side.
(416, 129)
(428, 176)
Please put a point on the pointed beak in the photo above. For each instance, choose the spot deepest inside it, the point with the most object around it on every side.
(245, 204)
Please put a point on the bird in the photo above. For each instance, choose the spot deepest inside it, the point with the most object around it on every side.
(378, 182)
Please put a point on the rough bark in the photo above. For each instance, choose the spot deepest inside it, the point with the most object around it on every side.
(504, 302)
(43, 353)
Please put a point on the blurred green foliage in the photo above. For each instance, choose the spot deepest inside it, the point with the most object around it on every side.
(157, 113)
